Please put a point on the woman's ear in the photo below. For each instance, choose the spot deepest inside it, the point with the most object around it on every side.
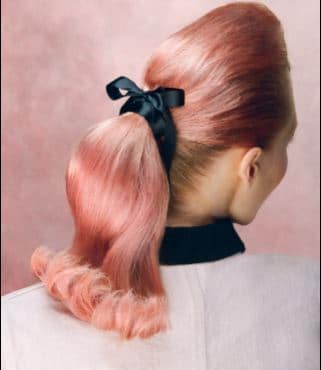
(250, 165)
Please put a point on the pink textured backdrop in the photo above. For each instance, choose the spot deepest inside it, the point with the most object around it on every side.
(57, 57)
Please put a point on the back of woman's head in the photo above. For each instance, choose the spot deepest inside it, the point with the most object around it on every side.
(232, 64)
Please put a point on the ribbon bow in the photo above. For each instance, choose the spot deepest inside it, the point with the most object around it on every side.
(154, 106)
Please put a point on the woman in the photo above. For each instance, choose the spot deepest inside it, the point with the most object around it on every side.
(156, 276)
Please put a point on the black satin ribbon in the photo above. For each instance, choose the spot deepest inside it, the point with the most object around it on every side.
(154, 106)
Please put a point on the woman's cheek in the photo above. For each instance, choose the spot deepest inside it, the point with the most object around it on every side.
(279, 169)
(283, 165)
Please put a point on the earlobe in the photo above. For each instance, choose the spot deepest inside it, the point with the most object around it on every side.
(250, 165)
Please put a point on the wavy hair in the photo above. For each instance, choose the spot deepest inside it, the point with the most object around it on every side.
(233, 65)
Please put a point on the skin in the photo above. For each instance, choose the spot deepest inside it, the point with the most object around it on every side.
(238, 182)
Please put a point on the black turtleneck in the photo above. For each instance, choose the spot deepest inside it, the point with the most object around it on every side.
(201, 243)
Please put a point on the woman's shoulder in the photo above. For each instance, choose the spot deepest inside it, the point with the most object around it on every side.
(279, 260)
(281, 264)
(38, 333)
(32, 309)
(267, 288)
(268, 305)
(265, 266)
(275, 274)
(24, 301)
(30, 302)
(21, 293)
(281, 272)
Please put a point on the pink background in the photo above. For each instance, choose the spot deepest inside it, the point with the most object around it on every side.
(57, 57)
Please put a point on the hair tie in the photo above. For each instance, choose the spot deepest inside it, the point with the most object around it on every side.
(154, 106)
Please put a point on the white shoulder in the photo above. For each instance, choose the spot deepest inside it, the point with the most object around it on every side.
(259, 271)
(285, 274)
(277, 279)
(31, 299)
(19, 293)
(286, 265)
(18, 308)
(38, 332)
(290, 307)
(268, 305)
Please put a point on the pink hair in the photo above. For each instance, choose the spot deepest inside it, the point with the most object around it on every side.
(232, 63)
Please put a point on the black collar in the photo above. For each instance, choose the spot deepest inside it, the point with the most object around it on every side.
(201, 243)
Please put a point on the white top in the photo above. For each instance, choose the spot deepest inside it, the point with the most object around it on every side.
(243, 312)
